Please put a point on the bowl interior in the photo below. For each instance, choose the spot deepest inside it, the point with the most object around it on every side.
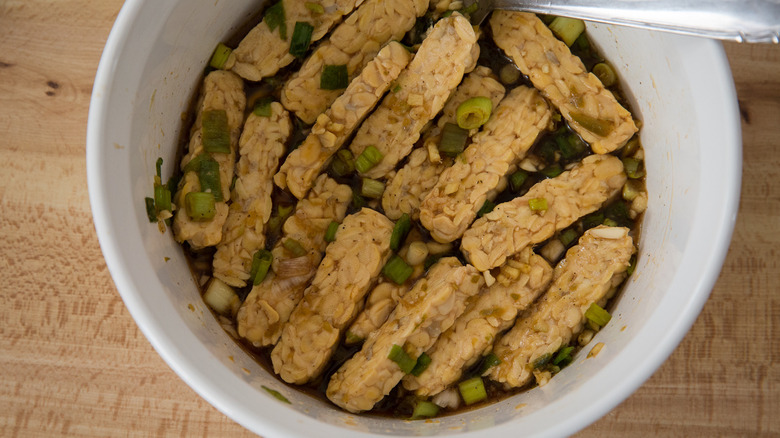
(681, 90)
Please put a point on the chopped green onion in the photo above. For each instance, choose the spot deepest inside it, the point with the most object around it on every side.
(422, 364)
(400, 230)
(470, 9)
(200, 206)
(552, 170)
(194, 164)
(486, 208)
(277, 395)
(537, 204)
(233, 183)
(597, 315)
(547, 150)
(173, 183)
(635, 169)
(618, 211)
(631, 189)
(334, 77)
(330, 233)
(570, 145)
(397, 270)
(474, 112)
(158, 166)
(352, 338)
(630, 148)
(399, 356)
(220, 56)
(567, 29)
(216, 134)
(369, 158)
(488, 362)
(631, 266)
(315, 7)
(563, 357)
(294, 247)
(568, 236)
(396, 89)
(284, 211)
(275, 17)
(263, 107)
(261, 262)
(208, 175)
(509, 74)
(517, 179)
(592, 220)
(453, 139)
(605, 73)
(542, 361)
(343, 163)
(425, 409)
(610, 223)
(472, 390)
(151, 212)
(301, 38)
(221, 297)
(357, 200)
(162, 198)
(599, 127)
(372, 188)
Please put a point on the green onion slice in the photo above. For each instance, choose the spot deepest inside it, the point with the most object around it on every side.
(488, 362)
(372, 188)
(542, 361)
(370, 157)
(635, 169)
(330, 233)
(200, 206)
(472, 390)
(194, 164)
(486, 208)
(399, 356)
(275, 17)
(158, 166)
(301, 38)
(277, 395)
(567, 29)
(162, 198)
(474, 112)
(357, 200)
(397, 270)
(151, 212)
(220, 56)
(568, 236)
(343, 163)
(605, 73)
(552, 170)
(422, 364)
(315, 8)
(517, 179)
(263, 107)
(599, 127)
(592, 220)
(351, 338)
(208, 175)
(597, 315)
(424, 409)
(261, 263)
(537, 204)
(470, 9)
(216, 134)
(400, 230)
(453, 139)
(563, 357)
(294, 247)
(334, 77)
(631, 266)
(610, 222)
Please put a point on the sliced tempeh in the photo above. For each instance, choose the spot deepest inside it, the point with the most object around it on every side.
(263, 51)
(590, 270)
(429, 309)
(521, 279)
(513, 225)
(420, 94)
(353, 43)
(590, 109)
(452, 205)
(260, 147)
(335, 125)
(222, 91)
(350, 267)
(269, 305)
(406, 190)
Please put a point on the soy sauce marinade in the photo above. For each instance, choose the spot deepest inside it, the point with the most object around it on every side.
(552, 153)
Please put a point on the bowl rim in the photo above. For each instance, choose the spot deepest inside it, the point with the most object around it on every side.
(722, 215)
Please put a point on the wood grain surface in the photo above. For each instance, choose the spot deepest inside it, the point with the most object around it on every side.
(73, 362)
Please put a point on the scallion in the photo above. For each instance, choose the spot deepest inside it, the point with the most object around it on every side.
(552, 170)
(294, 247)
(151, 212)
(592, 220)
(567, 29)
(542, 361)
(453, 140)
(470, 9)
(486, 208)
(315, 8)
(275, 17)
(568, 236)
(194, 164)
(221, 297)
(400, 357)
(563, 357)
(631, 266)
(537, 204)
(631, 189)
(162, 198)
(474, 112)
(263, 107)
(472, 390)
(334, 77)
(605, 73)
(370, 157)
(618, 211)
(200, 206)
(358, 201)
(220, 56)
(158, 166)
(422, 364)
(610, 223)
(208, 175)
(371, 188)
(343, 163)
(425, 409)
(351, 338)
(216, 134)
(488, 362)
(276, 394)
(400, 230)
(509, 74)
(301, 38)
(597, 315)
(517, 179)
(330, 233)
(635, 169)
(397, 270)
(599, 127)
(261, 262)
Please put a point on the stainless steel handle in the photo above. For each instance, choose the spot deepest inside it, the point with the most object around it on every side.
(753, 21)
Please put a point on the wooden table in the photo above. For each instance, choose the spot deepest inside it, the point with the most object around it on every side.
(73, 362)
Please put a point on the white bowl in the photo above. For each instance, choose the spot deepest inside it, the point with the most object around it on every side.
(681, 88)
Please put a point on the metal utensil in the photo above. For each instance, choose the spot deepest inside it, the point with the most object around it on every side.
(752, 21)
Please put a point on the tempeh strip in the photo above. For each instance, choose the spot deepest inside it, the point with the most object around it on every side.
(222, 91)
(335, 125)
(420, 94)
(429, 309)
(590, 109)
(406, 190)
(261, 146)
(512, 225)
(263, 51)
(588, 273)
(353, 43)
(350, 267)
(521, 279)
(269, 305)
(448, 209)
